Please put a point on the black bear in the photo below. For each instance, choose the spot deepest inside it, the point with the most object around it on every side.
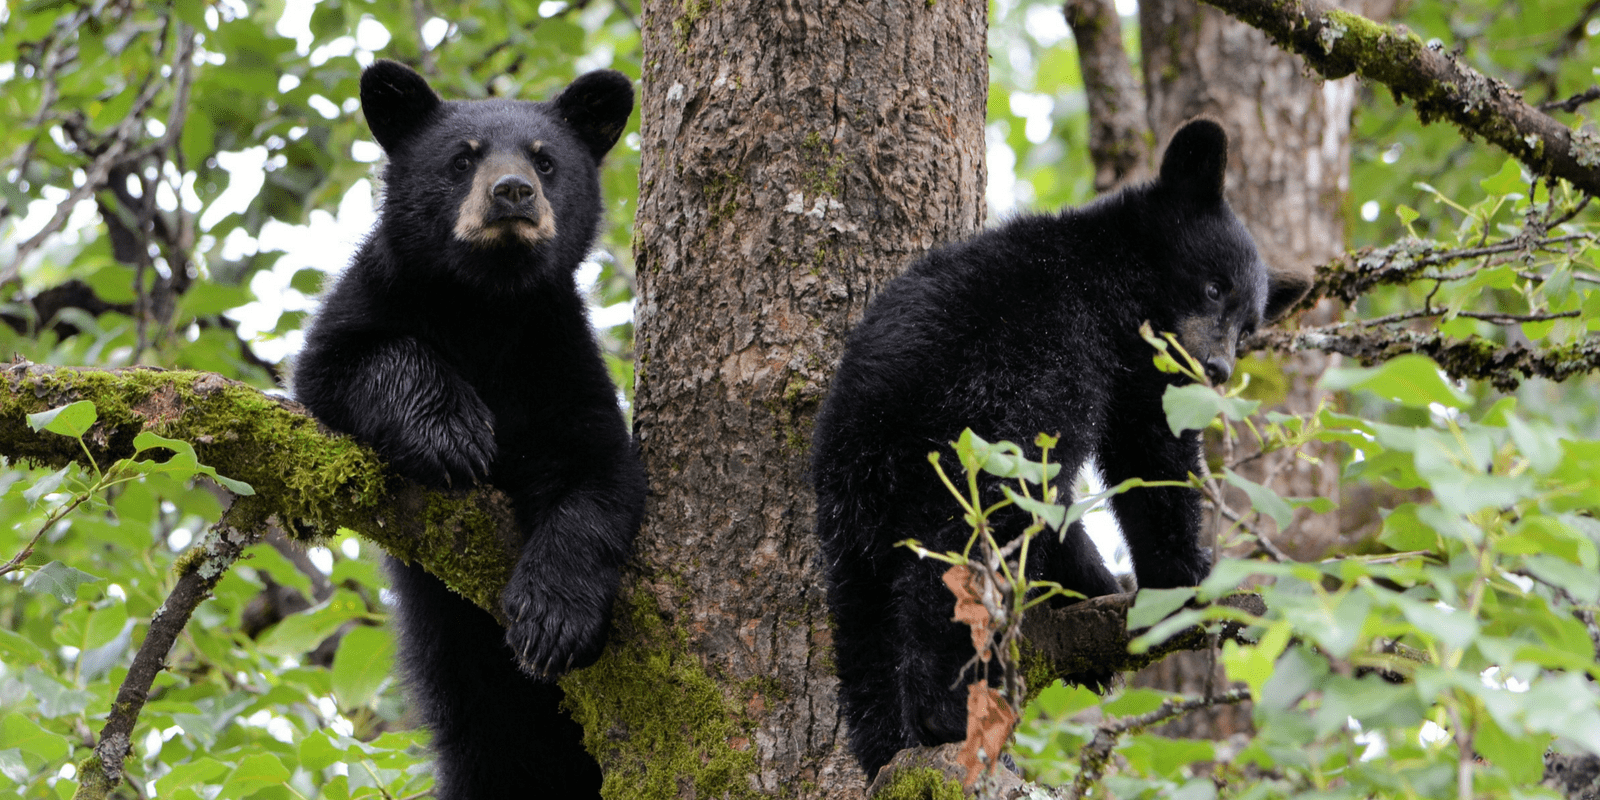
(1030, 327)
(456, 344)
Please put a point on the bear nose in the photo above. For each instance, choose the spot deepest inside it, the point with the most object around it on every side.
(514, 188)
(1219, 369)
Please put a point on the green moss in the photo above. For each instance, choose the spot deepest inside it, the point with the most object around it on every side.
(660, 726)
(920, 784)
(693, 10)
(314, 481)
(93, 782)
(794, 412)
(719, 194)
(823, 166)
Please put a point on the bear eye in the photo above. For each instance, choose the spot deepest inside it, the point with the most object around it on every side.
(461, 164)
(544, 165)
(1213, 291)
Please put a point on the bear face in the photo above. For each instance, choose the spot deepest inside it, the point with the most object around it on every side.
(1031, 327)
(520, 177)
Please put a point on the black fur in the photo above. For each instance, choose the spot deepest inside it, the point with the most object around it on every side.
(1031, 327)
(463, 359)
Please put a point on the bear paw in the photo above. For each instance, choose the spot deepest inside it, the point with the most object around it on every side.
(555, 628)
(449, 450)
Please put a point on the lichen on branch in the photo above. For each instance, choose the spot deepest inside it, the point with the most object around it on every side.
(1337, 43)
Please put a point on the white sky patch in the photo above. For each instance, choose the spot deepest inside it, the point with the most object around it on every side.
(321, 558)
(434, 31)
(1035, 108)
(371, 35)
(1047, 25)
(1002, 169)
(1369, 210)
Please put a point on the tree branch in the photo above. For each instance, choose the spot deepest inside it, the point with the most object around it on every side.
(1093, 635)
(1337, 43)
(1119, 137)
(198, 573)
(1479, 359)
(314, 481)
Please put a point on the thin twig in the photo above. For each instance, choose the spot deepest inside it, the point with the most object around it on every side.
(1097, 752)
(239, 528)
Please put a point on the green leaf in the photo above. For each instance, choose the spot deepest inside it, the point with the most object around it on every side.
(1061, 700)
(1153, 605)
(183, 463)
(24, 734)
(45, 486)
(1054, 515)
(1253, 664)
(1262, 499)
(1193, 406)
(72, 419)
(1136, 701)
(254, 773)
(363, 663)
(302, 632)
(1411, 380)
(58, 579)
(17, 650)
(188, 773)
(1522, 757)
(1507, 181)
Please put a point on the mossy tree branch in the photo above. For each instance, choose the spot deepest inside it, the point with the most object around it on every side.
(1337, 43)
(313, 481)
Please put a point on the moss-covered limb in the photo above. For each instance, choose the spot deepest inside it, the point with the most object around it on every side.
(1092, 636)
(930, 773)
(198, 572)
(1119, 136)
(1337, 43)
(1473, 357)
(659, 724)
(312, 480)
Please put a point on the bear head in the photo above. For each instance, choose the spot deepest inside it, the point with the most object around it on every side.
(1215, 286)
(496, 193)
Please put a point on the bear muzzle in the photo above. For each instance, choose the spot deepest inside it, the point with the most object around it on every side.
(505, 206)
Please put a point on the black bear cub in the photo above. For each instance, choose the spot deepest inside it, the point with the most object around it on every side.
(1030, 327)
(457, 345)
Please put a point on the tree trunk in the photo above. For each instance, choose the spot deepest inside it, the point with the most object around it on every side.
(795, 157)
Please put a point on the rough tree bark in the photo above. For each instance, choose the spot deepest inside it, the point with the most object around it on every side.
(795, 157)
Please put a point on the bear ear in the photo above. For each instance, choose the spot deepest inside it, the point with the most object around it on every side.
(1284, 290)
(597, 106)
(1196, 160)
(396, 101)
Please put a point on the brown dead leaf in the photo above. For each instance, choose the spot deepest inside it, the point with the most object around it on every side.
(969, 607)
(989, 724)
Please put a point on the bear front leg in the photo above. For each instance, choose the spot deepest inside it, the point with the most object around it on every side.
(558, 601)
(1160, 524)
(415, 410)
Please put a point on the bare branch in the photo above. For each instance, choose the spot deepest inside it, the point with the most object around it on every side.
(1337, 43)
(1574, 102)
